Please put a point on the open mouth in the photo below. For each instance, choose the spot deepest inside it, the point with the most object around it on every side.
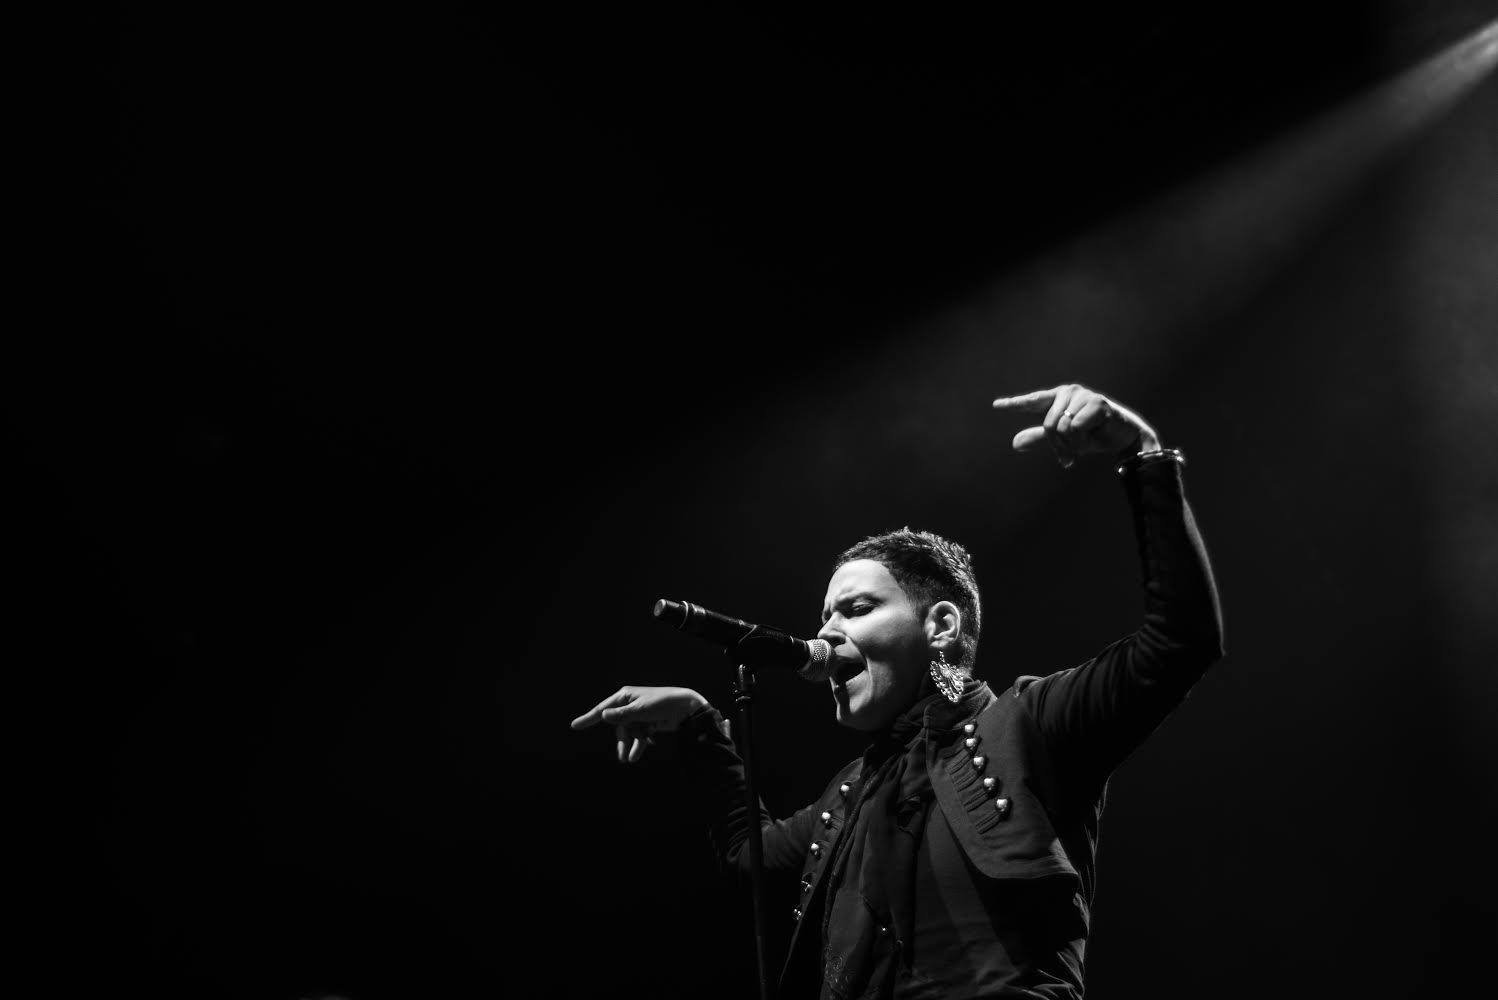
(845, 670)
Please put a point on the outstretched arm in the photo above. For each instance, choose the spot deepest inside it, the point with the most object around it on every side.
(713, 768)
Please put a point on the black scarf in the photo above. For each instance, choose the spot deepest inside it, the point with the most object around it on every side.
(866, 944)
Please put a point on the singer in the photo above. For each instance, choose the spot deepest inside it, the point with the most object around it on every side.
(956, 856)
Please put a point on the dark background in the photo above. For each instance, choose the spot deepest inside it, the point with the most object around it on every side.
(394, 363)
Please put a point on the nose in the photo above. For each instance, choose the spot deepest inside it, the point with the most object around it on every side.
(830, 632)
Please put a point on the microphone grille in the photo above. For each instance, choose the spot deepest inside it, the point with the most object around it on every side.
(818, 660)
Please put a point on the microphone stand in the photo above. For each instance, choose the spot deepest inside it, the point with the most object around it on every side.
(748, 645)
(744, 738)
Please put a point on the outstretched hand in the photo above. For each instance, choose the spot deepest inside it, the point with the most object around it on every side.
(638, 713)
(1079, 421)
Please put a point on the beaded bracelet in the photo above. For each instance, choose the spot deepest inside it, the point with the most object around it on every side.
(1144, 458)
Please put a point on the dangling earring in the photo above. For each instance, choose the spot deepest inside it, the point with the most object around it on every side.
(948, 679)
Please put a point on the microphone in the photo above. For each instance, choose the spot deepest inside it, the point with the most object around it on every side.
(757, 645)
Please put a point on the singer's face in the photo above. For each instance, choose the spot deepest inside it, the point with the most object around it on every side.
(879, 641)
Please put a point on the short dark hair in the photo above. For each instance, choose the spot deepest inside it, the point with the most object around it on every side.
(929, 568)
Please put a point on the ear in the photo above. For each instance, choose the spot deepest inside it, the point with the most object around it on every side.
(943, 626)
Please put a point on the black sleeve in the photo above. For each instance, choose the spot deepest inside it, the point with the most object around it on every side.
(1094, 715)
(715, 776)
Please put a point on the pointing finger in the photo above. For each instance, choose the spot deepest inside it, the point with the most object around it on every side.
(1030, 402)
(596, 714)
(620, 714)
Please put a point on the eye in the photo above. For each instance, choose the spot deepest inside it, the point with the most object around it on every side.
(862, 608)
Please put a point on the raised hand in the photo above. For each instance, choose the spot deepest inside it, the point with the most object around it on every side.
(638, 713)
(1079, 421)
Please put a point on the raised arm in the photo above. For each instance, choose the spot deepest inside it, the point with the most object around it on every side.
(1094, 715)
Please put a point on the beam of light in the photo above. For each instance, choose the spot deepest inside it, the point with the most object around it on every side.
(1117, 302)
(1120, 298)
(1447, 285)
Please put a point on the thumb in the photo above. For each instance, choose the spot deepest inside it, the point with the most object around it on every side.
(1030, 437)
